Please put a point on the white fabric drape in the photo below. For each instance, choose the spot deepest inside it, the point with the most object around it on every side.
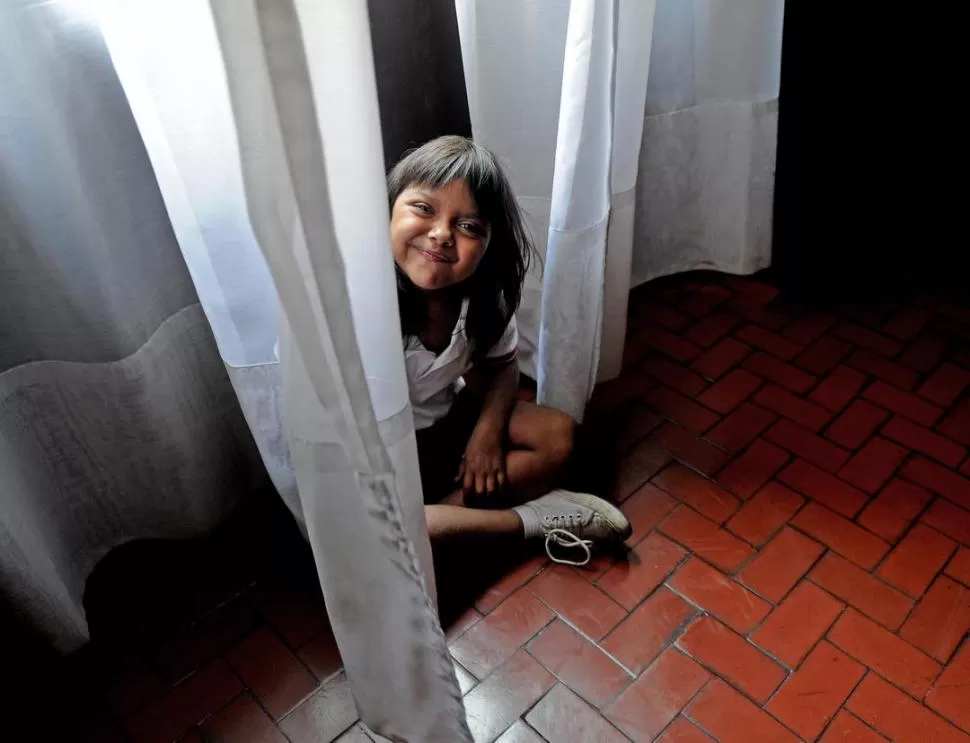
(117, 421)
(309, 174)
(564, 91)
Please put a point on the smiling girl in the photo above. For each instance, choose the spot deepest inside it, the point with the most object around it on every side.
(462, 252)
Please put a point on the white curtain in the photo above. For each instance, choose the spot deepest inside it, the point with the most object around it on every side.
(117, 421)
(640, 138)
(254, 131)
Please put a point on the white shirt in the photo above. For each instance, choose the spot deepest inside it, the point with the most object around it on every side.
(434, 380)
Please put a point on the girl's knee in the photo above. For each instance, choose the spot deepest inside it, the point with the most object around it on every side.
(560, 436)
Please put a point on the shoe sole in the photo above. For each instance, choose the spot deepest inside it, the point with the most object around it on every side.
(604, 509)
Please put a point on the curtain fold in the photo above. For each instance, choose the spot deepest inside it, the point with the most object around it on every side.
(640, 140)
(250, 108)
(117, 421)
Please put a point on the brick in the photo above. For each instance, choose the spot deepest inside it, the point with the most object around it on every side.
(496, 638)
(324, 716)
(665, 316)
(702, 494)
(888, 371)
(857, 587)
(899, 717)
(801, 411)
(703, 300)
(671, 404)
(658, 696)
(759, 313)
(809, 328)
(629, 582)
(942, 481)
(959, 567)
(946, 385)
(849, 540)
(891, 512)
(730, 391)
(847, 728)
(796, 625)
(884, 652)
(512, 579)
(913, 564)
(856, 424)
(949, 519)
(562, 715)
(753, 468)
(575, 661)
(823, 355)
(807, 445)
(503, 697)
(639, 638)
(949, 694)
(712, 328)
(766, 340)
(779, 371)
(781, 564)
(276, 676)
(193, 700)
(706, 539)
(715, 361)
(957, 424)
(873, 464)
(765, 513)
(906, 324)
(646, 508)
(749, 288)
(823, 488)
(910, 406)
(572, 597)
(668, 343)
(868, 339)
(925, 353)
(718, 594)
(242, 719)
(815, 692)
(689, 449)
(924, 441)
(940, 619)
(733, 719)
(741, 427)
(682, 731)
(674, 375)
(641, 463)
(715, 646)
(838, 388)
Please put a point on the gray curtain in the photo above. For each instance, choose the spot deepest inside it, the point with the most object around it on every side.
(117, 419)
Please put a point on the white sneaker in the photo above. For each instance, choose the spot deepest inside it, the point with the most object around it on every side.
(572, 519)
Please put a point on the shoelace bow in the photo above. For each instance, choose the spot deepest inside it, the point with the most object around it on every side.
(565, 538)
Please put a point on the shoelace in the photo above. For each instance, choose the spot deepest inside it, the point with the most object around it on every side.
(567, 539)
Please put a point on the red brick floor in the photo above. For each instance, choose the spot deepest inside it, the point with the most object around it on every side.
(799, 485)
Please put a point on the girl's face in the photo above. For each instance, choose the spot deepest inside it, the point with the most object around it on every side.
(437, 236)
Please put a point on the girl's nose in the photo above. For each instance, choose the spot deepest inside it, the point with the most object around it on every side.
(441, 233)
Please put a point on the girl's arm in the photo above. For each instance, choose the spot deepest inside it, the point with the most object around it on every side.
(483, 468)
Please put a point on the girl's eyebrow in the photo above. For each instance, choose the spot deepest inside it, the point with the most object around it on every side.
(428, 197)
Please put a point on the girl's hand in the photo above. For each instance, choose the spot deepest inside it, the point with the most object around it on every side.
(482, 469)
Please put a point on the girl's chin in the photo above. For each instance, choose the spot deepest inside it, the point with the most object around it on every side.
(430, 277)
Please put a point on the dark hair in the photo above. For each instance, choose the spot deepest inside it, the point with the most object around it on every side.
(494, 290)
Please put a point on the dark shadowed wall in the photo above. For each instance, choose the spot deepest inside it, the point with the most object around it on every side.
(420, 81)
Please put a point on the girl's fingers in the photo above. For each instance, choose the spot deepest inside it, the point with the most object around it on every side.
(461, 471)
(480, 483)
(500, 478)
(469, 480)
(490, 484)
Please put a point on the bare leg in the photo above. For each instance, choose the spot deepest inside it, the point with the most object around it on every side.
(540, 441)
(447, 522)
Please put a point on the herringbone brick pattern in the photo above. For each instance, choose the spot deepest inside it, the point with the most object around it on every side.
(799, 484)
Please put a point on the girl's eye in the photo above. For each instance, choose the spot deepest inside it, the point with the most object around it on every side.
(421, 207)
(473, 227)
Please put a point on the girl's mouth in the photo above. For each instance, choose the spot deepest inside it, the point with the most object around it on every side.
(434, 256)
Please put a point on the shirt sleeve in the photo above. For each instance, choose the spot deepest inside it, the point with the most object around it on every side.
(507, 347)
